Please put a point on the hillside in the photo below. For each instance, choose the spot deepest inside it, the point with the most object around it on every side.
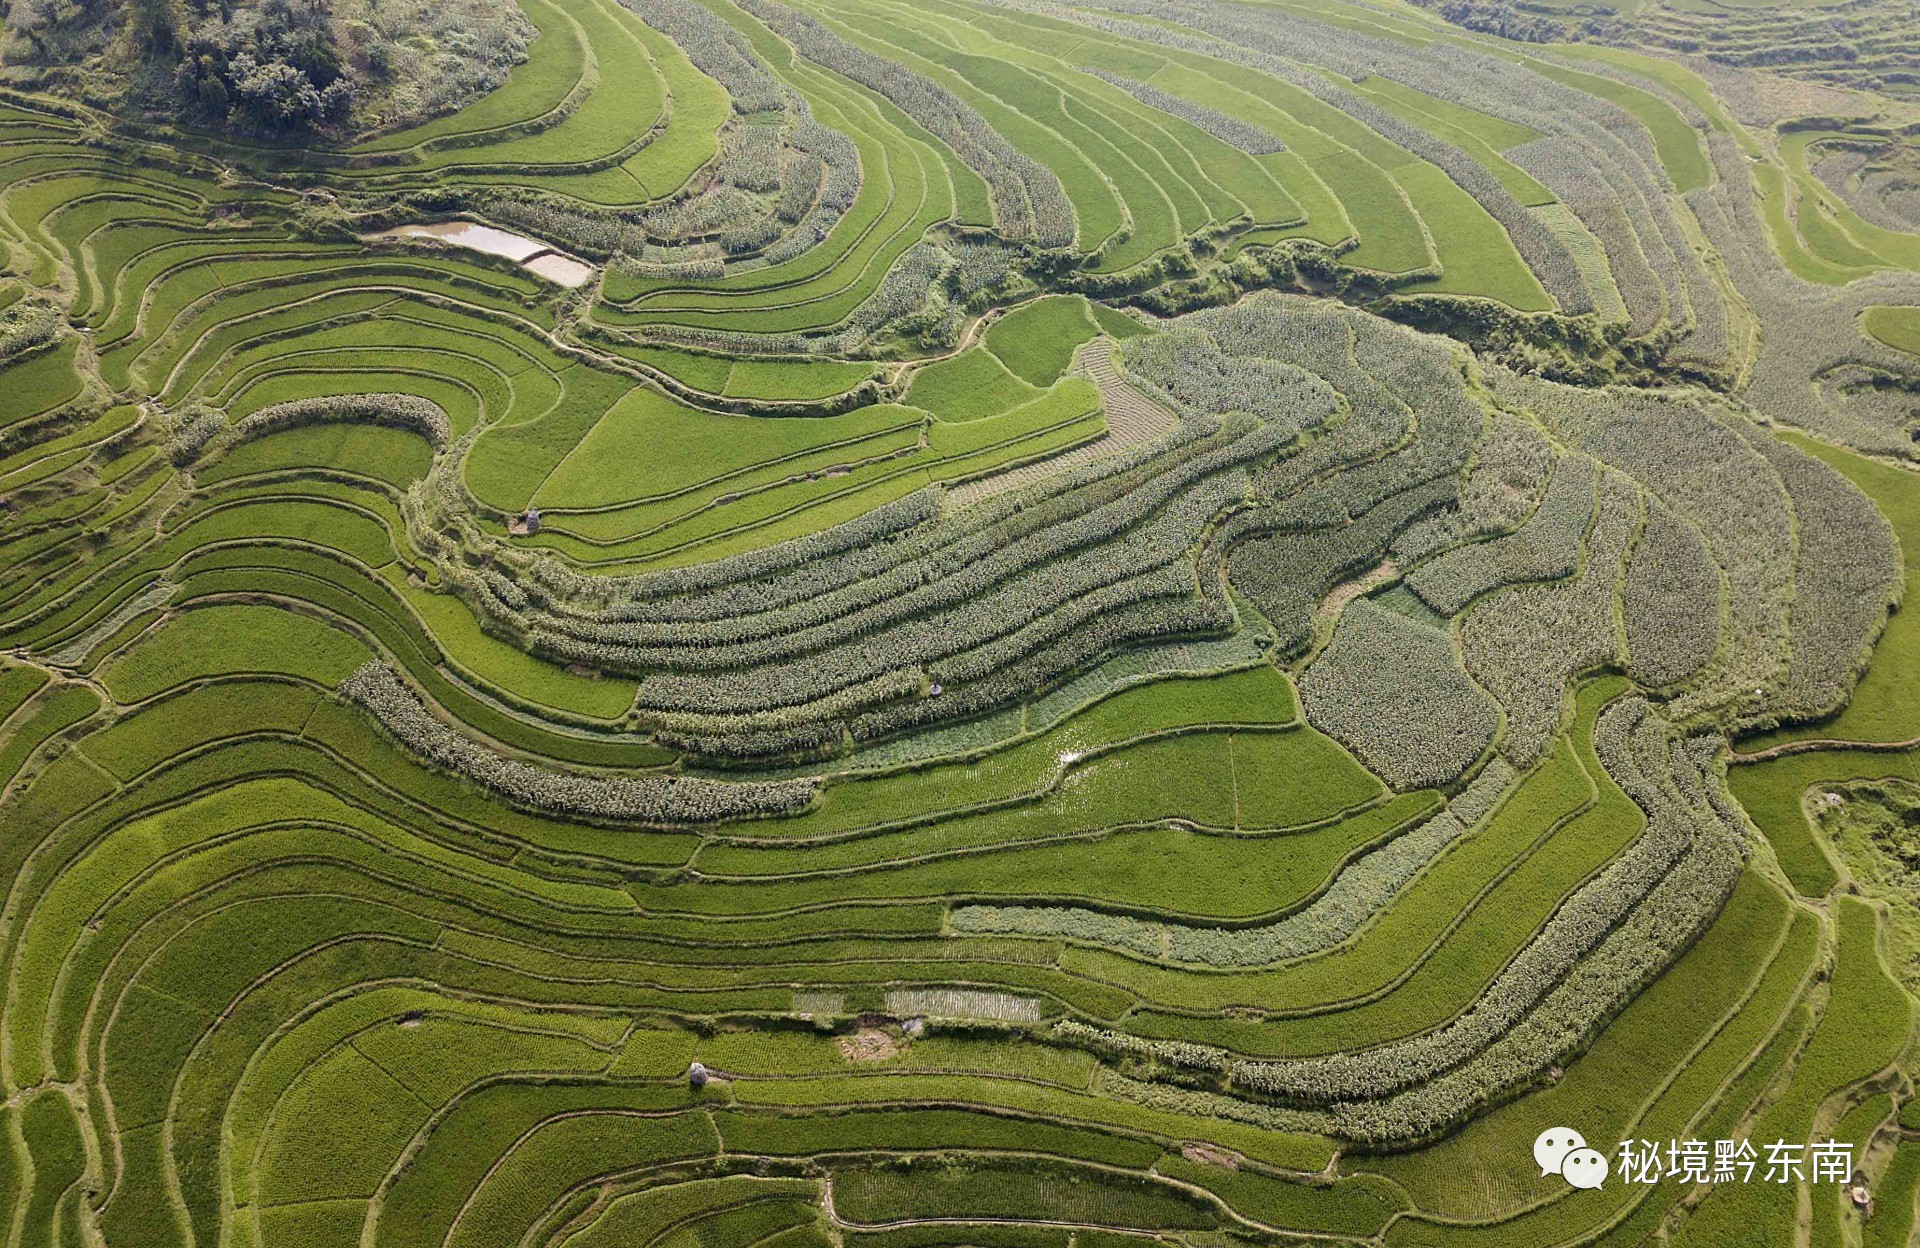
(994, 624)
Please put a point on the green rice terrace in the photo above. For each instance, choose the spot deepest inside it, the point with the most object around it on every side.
(991, 623)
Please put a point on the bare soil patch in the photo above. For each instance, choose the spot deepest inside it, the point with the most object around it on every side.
(869, 1044)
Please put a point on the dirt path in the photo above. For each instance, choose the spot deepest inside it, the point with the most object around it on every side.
(1824, 743)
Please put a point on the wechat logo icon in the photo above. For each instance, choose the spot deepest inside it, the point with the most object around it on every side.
(1563, 1151)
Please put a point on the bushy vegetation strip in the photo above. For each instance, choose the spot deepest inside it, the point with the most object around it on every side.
(1527, 645)
(1671, 583)
(1244, 135)
(644, 799)
(1546, 548)
(399, 411)
(1384, 672)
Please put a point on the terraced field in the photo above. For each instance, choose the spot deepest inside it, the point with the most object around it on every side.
(876, 625)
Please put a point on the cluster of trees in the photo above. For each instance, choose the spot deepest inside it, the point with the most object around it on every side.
(1497, 17)
(272, 67)
(267, 66)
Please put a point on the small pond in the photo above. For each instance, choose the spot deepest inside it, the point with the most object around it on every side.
(529, 253)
